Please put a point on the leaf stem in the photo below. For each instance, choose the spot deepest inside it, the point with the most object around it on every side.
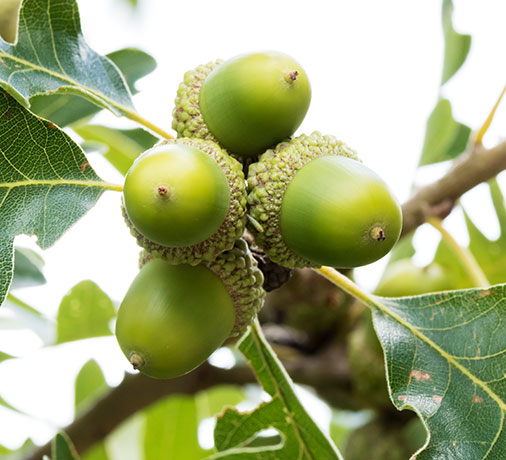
(113, 187)
(345, 283)
(137, 118)
(466, 258)
(484, 128)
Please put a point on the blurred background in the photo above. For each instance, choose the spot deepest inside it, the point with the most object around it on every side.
(375, 69)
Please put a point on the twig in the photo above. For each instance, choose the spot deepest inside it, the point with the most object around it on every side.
(437, 199)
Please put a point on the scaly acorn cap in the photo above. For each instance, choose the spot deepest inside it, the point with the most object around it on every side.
(239, 272)
(231, 228)
(187, 119)
(268, 180)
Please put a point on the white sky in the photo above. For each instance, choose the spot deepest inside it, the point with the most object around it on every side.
(375, 69)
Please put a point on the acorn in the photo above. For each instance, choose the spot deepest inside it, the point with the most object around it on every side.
(185, 200)
(248, 103)
(404, 278)
(312, 203)
(173, 317)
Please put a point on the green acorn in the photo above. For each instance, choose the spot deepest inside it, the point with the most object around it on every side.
(403, 278)
(311, 203)
(185, 200)
(248, 103)
(173, 317)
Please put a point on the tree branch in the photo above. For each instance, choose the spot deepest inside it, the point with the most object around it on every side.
(437, 199)
(327, 373)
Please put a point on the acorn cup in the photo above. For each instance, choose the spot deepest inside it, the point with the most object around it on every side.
(247, 104)
(185, 200)
(173, 317)
(312, 203)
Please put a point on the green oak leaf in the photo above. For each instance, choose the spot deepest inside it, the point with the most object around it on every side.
(119, 146)
(84, 312)
(458, 277)
(51, 55)
(301, 438)
(63, 449)
(445, 138)
(490, 255)
(27, 268)
(66, 109)
(17, 315)
(90, 384)
(445, 360)
(46, 182)
(456, 45)
(172, 424)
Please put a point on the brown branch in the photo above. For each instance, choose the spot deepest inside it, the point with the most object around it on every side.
(437, 199)
(136, 392)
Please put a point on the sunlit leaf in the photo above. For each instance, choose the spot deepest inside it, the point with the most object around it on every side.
(66, 109)
(63, 448)
(90, 384)
(84, 312)
(445, 138)
(301, 437)
(456, 45)
(120, 146)
(27, 268)
(17, 315)
(51, 55)
(172, 430)
(46, 183)
(8, 19)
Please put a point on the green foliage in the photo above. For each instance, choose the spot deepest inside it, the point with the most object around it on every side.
(61, 61)
(90, 384)
(173, 427)
(66, 109)
(63, 448)
(445, 360)
(456, 45)
(445, 138)
(27, 268)
(47, 183)
(119, 146)
(491, 255)
(84, 312)
(301, 436)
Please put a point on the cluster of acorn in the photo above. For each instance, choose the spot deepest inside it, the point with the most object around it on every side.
(307, 201)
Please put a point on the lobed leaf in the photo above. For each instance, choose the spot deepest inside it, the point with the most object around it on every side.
(445, 138)
(236, 432)
(66, 109)
(46, 182)
(456, 45)
(51, 55)
(84, 312)
(446, 360)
